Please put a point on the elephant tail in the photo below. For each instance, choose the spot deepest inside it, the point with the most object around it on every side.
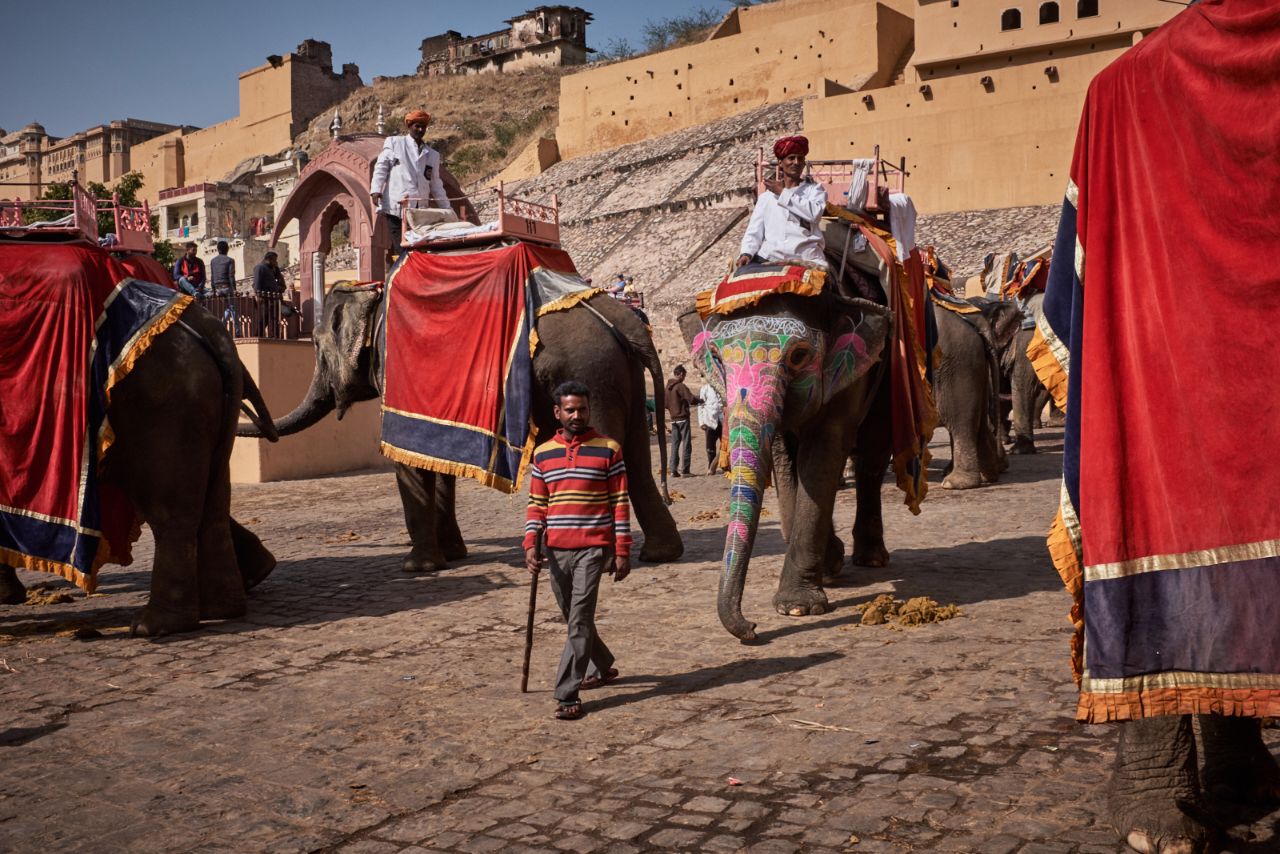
(649, 355)
(259, 414)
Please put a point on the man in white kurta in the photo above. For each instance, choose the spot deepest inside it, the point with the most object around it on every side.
(784, 225)
(407, 168)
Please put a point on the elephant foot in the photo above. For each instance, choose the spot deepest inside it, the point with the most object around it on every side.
(962, 480)
(416, 561)
(659, 551)
(455, 551)
(801, 603)
(1238, 767)
(230, 607)
(870, 554)
(12, 592)
(1158, 823)
(154, 622)
(1023, 445)
(253, 559)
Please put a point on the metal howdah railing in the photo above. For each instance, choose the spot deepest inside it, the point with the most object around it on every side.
(249, 315)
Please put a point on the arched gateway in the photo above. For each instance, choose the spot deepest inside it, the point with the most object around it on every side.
(335, 186)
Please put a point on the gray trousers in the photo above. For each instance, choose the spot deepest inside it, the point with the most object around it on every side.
(575, 581)
(681, 444)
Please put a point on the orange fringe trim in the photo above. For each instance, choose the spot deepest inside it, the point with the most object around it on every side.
(488, 478)
(1067, 561)
(37, 564)
(1096, 708)
(1048, 369)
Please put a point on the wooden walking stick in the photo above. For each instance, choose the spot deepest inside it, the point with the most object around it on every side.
(528, 626)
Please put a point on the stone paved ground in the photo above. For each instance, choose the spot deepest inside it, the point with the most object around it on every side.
(358, 709)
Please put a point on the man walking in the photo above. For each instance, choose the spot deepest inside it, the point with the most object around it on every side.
(188, 272)
(710, 419)
(678, 401)
(578, 495)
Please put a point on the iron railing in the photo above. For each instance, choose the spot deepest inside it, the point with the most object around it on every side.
(250, 315)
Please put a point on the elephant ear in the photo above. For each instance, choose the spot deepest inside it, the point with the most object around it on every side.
(857, 343)
(343, 340)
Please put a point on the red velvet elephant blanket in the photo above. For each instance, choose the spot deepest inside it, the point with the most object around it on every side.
(1159, 340)
(458, 360)
(74, 325)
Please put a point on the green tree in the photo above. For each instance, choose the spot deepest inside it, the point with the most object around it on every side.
(127, 188)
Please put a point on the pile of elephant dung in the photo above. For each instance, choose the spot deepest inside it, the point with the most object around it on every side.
(47, 594)
(705, 516)
(917, 611)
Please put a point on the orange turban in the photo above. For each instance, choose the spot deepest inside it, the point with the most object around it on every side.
(418, 116)
(791, 145)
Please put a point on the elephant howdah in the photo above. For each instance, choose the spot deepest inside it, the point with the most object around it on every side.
(141, 431)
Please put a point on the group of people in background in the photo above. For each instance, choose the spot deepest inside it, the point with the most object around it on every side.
(680, 403)
(190, 276)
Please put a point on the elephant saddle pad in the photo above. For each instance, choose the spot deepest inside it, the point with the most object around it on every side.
(1158, 336)
(457, 362)
(751, 283)
(75, 323)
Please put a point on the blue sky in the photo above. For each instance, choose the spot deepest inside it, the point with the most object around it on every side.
(73, 64)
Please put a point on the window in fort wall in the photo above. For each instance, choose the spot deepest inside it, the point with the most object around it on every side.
(1086, 8)
(1049, 13)
(1010, 19)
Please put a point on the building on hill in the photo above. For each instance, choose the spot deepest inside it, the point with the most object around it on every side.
(981, 96)
(101, 153)
(277, 101)
(541, 37)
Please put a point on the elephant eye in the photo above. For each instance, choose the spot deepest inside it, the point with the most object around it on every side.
(799, 356)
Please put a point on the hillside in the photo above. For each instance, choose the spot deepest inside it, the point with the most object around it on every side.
(479, 122)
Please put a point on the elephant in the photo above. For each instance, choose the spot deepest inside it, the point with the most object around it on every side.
(1175, 776)
(174, 419)
(967, 385)
(796, 375)
(1011, 334)
(599, 342)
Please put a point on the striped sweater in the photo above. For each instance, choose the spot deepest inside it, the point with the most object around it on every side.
(578, 491)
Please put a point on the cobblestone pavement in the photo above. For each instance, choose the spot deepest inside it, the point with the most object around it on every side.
(360, 709)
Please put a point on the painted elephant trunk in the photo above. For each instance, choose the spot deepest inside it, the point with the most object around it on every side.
(318, 403)
(749, 470)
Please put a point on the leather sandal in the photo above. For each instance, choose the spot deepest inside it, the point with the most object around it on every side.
(598, 681)
(569, 712)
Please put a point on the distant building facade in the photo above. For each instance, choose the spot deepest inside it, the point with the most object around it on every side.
(277, 102)
(542, 37)
(100, 154)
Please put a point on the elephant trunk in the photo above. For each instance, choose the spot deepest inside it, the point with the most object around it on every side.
(318, 403)
(749, 443)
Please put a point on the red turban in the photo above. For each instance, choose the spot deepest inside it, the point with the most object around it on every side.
(791, 145)
(418, 116)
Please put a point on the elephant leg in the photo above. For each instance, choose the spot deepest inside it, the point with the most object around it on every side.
(254, 560)
(448, 534)
(992, 460)
(662, 541)
(418, 497)
(222, 590)
(873, 456)
(818, 473)
(784, 481)
(1024, 386)
(1238, 767)
(1154, 787)
(12, 591)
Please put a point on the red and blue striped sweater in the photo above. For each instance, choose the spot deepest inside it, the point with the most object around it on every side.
(578, 491)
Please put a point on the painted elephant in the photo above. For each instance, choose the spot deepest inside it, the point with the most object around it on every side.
(174, 419)
(967, 385)
(796, 375)
(1011, 334)
(1175, 777)
(599, 342)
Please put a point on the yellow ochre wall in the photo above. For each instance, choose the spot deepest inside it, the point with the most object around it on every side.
(282, 371)
(781, 51)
